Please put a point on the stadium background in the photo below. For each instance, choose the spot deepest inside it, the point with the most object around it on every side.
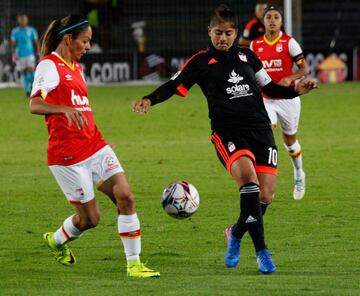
(150, 40)
(315, 242)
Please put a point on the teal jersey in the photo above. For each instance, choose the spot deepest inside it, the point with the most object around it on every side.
(24, 38)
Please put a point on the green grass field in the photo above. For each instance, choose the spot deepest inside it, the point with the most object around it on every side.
(315, 242)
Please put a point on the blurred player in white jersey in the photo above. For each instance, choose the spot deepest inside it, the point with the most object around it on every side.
(278, 52)
(24, 40)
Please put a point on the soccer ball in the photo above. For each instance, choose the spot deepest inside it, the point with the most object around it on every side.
(180, 199)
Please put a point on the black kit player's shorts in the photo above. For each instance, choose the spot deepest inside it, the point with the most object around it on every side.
(259, 146)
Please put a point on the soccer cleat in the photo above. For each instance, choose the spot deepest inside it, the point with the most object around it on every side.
(299, 189)
(136, 269)
(232, 255)
(264, 261)
(62, 254)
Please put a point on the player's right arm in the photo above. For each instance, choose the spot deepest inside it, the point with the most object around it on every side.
(46, 79)
(40, 107)
(179, 84)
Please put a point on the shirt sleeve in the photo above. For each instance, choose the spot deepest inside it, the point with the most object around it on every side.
(46, 79)
(248, 28)
(179, 84)
(246, 34)
(295, 51)
(35, 34)
(185, 78)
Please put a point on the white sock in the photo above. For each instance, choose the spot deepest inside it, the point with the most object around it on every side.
(296, 157)
(129, 231)
(66, 232)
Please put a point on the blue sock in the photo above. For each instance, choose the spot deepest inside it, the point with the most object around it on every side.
(30, 80)
(24, 80)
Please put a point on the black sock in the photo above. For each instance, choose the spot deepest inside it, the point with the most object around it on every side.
(239, 228)
(251, 216)
(263, 207)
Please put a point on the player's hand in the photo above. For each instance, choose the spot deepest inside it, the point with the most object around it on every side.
(141, 106)
(75, 117)
(13, 58)
(305, 85)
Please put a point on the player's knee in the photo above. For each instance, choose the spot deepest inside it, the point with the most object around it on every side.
(90, 221)
(93, 221)
(125, 199)
(266, 195)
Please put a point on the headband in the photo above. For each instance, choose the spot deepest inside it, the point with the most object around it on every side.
(72, 27)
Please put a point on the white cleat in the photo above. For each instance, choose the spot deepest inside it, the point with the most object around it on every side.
(299, 189)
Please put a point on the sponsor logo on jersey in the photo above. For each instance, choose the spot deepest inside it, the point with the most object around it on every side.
(272, 65)
(237, 90)
(235, 78)
(231, 146)
(82, 101)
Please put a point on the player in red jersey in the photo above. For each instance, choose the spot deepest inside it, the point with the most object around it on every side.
(255, 27)
(78, 156)
(278, 52)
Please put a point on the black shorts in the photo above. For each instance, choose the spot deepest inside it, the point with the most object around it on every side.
(259, 146)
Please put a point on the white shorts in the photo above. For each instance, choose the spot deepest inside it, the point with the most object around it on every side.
(287, 112)
(77, 181)
(25, 62)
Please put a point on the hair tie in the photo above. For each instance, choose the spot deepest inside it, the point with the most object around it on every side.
(72, 27)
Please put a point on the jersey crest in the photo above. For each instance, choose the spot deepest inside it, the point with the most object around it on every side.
(242, 57)
(279, 47)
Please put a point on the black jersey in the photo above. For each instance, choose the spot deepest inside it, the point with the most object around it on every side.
(253, 29)
(227, 79)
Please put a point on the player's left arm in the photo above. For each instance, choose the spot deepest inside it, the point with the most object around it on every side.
(299, 59)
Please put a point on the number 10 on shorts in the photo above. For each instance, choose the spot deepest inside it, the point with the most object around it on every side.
(272, 156)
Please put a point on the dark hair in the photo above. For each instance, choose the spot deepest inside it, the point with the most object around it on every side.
(73, 24)
(223, 14)
(273, 7)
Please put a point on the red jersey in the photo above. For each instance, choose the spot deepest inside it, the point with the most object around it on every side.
(59, 83)
(277, 56)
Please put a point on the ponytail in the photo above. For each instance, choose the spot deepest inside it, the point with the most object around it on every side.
(49, 41)
(72, 24)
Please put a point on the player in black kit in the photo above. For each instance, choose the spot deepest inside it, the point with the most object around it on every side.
(230, 78)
